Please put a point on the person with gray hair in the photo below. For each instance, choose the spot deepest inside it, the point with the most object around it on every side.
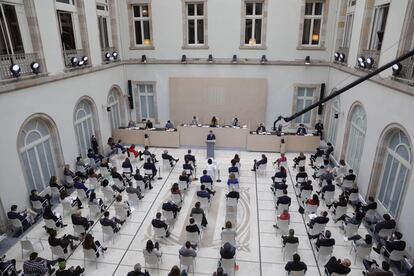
(137, 271)
(166, 156)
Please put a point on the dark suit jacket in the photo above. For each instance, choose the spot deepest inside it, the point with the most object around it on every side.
(295, 266)
(190, 157)
(384, 225)
(228, 254)
(320, 220)
(289, 239)
(325, 242)
(301, 175)
(108, 222)
(206, 179)
(211, 137)
(334, 265)
(203, 194)
(261, 161)
(395, 245)
(192, 228)
(233, 194)
(157, 223)
(233, 169)
(284, 200)
(80, 221)
(328, 188)
(15, 215)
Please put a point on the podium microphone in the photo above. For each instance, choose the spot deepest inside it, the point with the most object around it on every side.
(195, 173)
(159, 170)
(218, 176)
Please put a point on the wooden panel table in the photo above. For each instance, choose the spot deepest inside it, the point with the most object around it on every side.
(162, 138)
(226, 137)
(129, 136)
(296, 143)
(263, 142)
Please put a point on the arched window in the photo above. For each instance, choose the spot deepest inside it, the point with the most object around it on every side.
(356, 137)
(36, 152)
(395, 170)
(115, 109)
(332, 121)
(84, 126)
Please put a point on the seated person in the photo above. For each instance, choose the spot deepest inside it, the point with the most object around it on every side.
(235, 122)
(169, 125)
(188, 168)
(328, 150)
(152, 249)
(198, 210)
(301, 175)
(394, 243)
(149, 165)
(8, 267)
(131, 123)
(337, 266)
(53, 183)
(148, 124)
(306, 186)
(228, 229)
(205, 192)
(184, 177)
(137, 271)
(321, 219)
(359, 241)
(132, 150)
(318, 153)
(170, 206)
(205, 178)
(89, 242)
(116, 175)
(71, 271)
(296, 160)
(80, 185)
(158, 223)
(314, 200)
(301, 130)
(187, 250)
(127, 166)
(324, 240)
(77, 219)
(119, 203)
(281, 160)
(296, 264)
(48, 214)
(374, 270)
(350, 176)
(227, 251)
(166, 156)
(260, 162)
(190, 158)
(113, 187)
(281, 174)
(233, 169)
(340, 170)
(329, 187)
(93, 200)
(65, 196)
(214, 122)
(37, 265)
(68, 172)
(282, 217)
(192, 227)
(194, 121)
(34, 196)
(27, 216)
(284, 199)
(356, 219)
(211, 168)
(132, 190)
(279, 186)
(370, 205)
(261, 129)
(387, 223)
(233, 182)
(233, 194)
(139, 177)
(119, 146)
(81, 165)
(175, 190)
(290, 238)
(96, 157)
(64, 242)
(114, 222)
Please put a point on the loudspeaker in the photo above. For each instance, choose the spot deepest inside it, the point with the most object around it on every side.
(321, 96)
(130, 98)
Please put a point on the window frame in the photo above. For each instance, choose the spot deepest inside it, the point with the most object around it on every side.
(312, 121)
(331, 122)
(253, 17)
(132, 20)
(357, 132)
(186, 18)
(373, 39)
(115, 106)
(89, 119)
(347, 35)
(7, 34)
(137, 100)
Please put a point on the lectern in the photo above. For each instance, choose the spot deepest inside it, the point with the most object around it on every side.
(210, 148)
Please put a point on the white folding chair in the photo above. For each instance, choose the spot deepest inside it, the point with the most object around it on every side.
(228, 266)
(93, 183)
(90, 255)
(371, 216)
(151, 259)
(50, 223)
(397, 256)
(198, 218)
(310, 208)
(16, 224)
(176, 198)
(229, 237)
(169, 217)
(94, 209)
(302, 180)
(204, 203)
(278, 180)
(78, 229)
(360, 251)
(193, 237)
(182, 185)
(281, 208)
(318, 161)
(38, 206)
(325, 251)
(261, 170)
(159, 233)
(340, 211)
(347, 184)
(302, 163)
(318, 228)
(121, 212)
(166, 164)
(92, 163)
(108, 194)
(283, 226)
(58, 251)
(148, 173)
(81, 169)
(329, 197)
(305, 194)
(141, 185)
(278, 193)
(133, 198)
(231, 202)
(296, 273)
(109, 231)
(28, 245)
(81, 194)
(207, 185)
(69, 180)
(118, 183)
(283, 164)
(188, 262)
(354, 197)
(126, 171)
(385, 233)
(55, 191)
(350, 229)
(289, 249)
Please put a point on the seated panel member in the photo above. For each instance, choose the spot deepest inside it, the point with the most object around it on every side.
(261, 129)
(148, 124)
(214, 122)
(235, 122)
(301, 130)
(194, 121)
(169, 125)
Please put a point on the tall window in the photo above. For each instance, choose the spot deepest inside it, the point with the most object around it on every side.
(115, 112)
(36, 152)
(394, 175)
(67, 33)
(11, 40)
(333, 121)
(312, 24)
(102, 10)
(141, 17)
(378, 26)
(69, 2)
(305, 96)
(146, 95)
(253, 22)
(356, 138)
(84, 126)
(195, 13)
(349, 23)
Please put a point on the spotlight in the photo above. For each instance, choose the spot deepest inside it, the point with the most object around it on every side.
(35, 66)
(85, 60)
(342, 57)
(307, 60)
(263, 60)
(336, 115)
(234, 60)
(107, 56)
(361, 59)
(370, 62)
(210, 58)
(396, 69)
(15, 70)
(74, 61)
(81, 62)
(183, 59)
(362, 64)
(108, 109)
(336, 56)
(144, 59)
(115, 55)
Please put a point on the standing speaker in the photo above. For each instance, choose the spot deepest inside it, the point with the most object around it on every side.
(321, 96)
(130, 98)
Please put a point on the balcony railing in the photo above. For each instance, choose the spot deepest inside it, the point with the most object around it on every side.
(23, 60)
(375, 54)
(407, 70)
(69, 54)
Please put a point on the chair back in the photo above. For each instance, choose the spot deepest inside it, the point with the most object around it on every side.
(261, 170)
(204, 203)
(159, 232)
(283, 164)
(165, 164)
(347, 184)
(78, 229)
(150, 258)
(140, 184)
(211, 173)
(207, 185)
(325, 251)
(329, 196)
(121, 212)
(198, 218)
(186, 260)
(282, 207)
(37, 205)
(54, 191)
(176, 198)
(92, 163)
(58, 251)
(302, 179)
(340, 211)
(182, 185)
(94, 209)
(278, 180)
(351, 229)
(16, 223)
(148, 172)
(229, 237)
(228, 266)
(318, 228)
(363, 251)
(193, 237)
(108, 230)
(50, 223)
(81, 194)
(319, 161)
(66, 207)
(89, 254)
(310, 208)
(188, 172)
(231, 202)
(353, 197)
(290, 249)
(27, 245)
(283, 226)
(305, 194)
(337, 274)
(397, 255)
(108, 194)
(118, 183)
(297, 273)
(302, 163)
(126, 171)
(80, 169)
(371, 215)
(93, 182)
(132, 197)
(385, 233)
(168, 215)
(69, 180)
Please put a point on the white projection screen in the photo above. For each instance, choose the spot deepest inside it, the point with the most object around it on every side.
(225, 98)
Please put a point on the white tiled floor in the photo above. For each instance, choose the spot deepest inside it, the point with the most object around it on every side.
(259, 249)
